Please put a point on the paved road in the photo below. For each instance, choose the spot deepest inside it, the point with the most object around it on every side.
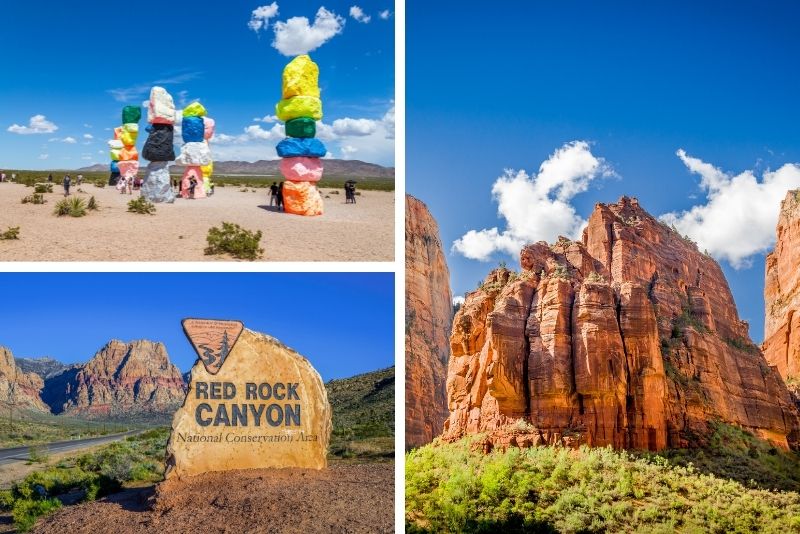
(20, 454)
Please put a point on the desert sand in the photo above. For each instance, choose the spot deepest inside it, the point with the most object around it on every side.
(177, 232)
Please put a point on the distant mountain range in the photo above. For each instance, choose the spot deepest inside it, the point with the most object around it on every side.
(136, 381)
(340, 168)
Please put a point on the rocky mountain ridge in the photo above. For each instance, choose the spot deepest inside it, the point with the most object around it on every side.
(120, 381)
(340, 168)
(629, 337)
(17, 387)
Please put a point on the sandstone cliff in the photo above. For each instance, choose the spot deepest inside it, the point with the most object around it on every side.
(17, 387)
(628, 338)
(428, 318)
(782, 293)
(122, 380)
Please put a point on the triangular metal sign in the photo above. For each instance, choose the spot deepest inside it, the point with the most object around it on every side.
(212, 339)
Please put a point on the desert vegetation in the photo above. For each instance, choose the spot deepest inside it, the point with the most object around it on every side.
(142, 206)
(74, 207)
(86, 477)
(455, 487)
(12, 232)
(234, 240)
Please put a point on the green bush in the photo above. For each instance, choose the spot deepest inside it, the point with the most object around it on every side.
(43, 188)
(11, 233)
(100, 183)
(141, 205)
(455, 487)
(92, 205)
(25, 512)
(74, 207)
(234, 240)
(36, 198)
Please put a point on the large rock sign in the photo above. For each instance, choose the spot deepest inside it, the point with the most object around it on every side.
(252, 403)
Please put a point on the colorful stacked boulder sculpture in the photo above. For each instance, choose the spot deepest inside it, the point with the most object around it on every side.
(158, 149)
(301, 153)
(195, 153)
(208, 170)
(124, 157)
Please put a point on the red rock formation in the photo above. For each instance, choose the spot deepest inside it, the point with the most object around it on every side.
(628, 338)
(428, 319)
(121, 380)
(18, 388)
(782, 293)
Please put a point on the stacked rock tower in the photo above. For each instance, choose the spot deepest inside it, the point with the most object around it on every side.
(195, 153)
(301, 153)
(124, 157)
(158, 149)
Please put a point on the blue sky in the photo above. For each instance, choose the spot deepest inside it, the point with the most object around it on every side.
(342, 322)
(507, 87)
(78, 63)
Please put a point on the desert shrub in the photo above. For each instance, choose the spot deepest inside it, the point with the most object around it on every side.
(38, 454)
(454, 487)
(141, 205)
(234, 240)
(25, 512)
(74, 207)
(43, 188)
(92, 205)
(335, 192)
(36, 198)
(11, 233)
(100, 183)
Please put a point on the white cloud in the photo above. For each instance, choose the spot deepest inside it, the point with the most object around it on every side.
(353, 127)
(358, 14)
(739, 218)
(254, 131)
(296, 36)
(266, 118)
(126, 94)
(348, 150)
(44, 156)
(384, 14)
(87, 125)
(88, 136)
(259, 19)
(38, 124)
(69, 140)
(458, 301)
(537, 207)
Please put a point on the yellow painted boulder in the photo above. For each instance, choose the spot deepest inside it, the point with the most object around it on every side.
(299, 106)
(207, 170)
(301, 78)
(195, 109)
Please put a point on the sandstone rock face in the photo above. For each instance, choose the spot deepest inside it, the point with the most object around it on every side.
(428, 319)
(628, 338)
(282, 420)
(121, 380)
(782, 293)
(17, 387)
